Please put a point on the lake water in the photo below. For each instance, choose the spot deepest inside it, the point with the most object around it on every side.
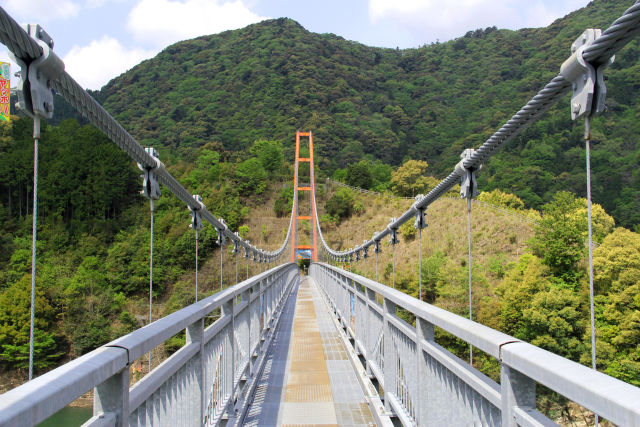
(70, 416)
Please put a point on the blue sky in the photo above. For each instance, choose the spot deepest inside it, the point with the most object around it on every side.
(100, 39)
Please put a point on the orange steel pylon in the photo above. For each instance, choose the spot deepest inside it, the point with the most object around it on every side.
(299, 251)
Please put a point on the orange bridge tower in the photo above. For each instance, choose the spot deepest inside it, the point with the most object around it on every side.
(304, 239)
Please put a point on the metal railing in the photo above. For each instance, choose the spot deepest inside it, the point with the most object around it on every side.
(202, 383)
(424, 384)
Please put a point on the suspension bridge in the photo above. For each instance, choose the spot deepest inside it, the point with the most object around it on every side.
(328, 348)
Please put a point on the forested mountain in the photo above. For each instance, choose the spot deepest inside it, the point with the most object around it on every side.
(429, 103)
(223, 111)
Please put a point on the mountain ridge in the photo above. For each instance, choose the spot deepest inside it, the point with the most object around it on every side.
(271, 78)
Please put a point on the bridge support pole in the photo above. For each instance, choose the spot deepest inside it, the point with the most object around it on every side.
(518, 391)
(195, 334)
(111, 398)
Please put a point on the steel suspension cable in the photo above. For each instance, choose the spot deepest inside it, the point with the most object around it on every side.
(34, 231)
(470, 282)
(196, 265)
(393, 265)
(420, 264)
(604, 47)
(221, 266)
(587, 139)
(152, 205)
(376, 266)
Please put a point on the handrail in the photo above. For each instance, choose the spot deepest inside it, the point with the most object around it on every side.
(40, 398)
(353, 298)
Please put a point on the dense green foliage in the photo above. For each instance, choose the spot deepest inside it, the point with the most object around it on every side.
(225, 104)
(269, 79)
(93, 235)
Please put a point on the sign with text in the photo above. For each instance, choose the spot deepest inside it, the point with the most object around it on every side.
(304, 253)
(5, 91)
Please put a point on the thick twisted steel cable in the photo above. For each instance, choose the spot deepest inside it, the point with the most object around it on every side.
(16, 39)
(22, 45)
(621, 31)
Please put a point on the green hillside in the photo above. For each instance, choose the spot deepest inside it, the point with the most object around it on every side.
(271, 78)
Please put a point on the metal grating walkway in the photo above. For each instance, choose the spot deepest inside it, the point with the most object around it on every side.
(308, 379)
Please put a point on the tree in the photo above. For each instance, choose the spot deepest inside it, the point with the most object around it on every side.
(500, 198)
(269, 153)
(15, 305)
(562, 231)
(251, 176)
(410, 179)
(617, 278)
(359, 175)
(340, 205)
(534, 309)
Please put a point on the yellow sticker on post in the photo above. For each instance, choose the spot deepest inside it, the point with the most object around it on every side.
(5, 91)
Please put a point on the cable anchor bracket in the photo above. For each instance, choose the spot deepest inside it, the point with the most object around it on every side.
(236, 243)
(468, 181)
(419, 223)
(587, 80)
(196, 213)
(393, 233)
(150, 185)
(222, 240)
(35, 96)
(365, 250)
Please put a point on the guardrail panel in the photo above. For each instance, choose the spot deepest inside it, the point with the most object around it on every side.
(428, 385)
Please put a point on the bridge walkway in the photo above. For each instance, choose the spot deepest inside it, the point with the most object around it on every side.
(308, 378)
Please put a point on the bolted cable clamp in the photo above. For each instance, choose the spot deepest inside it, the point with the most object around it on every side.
(365, 251)
(419, 222)
(468, 181)
(196, 213)
(376, 246)
(247, 250)
(587, 80)
(236, 243)
(222, 240)
(357, 254)
(150, 185)
(35, 96)
(393, 238)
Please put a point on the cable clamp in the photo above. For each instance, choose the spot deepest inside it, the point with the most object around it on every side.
(35, 96)
(247, 249)
(587, 80)
(420, 222)
(357, 252)
(376, 245)
(393, 238)
(222, 240)
(150, 185)
(236, 243)
(196, 213)
(468, 182)
(365, 251)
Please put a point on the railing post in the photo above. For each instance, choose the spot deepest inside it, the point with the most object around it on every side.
(371, 299)
(195, 333)
(229, 371)
(389, 373)
(518, 391)
(425, 331)
(112, 396)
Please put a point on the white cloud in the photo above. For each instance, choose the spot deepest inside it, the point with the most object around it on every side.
(428, 20)
(162, 22)
(42, 10)
(95, 64)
